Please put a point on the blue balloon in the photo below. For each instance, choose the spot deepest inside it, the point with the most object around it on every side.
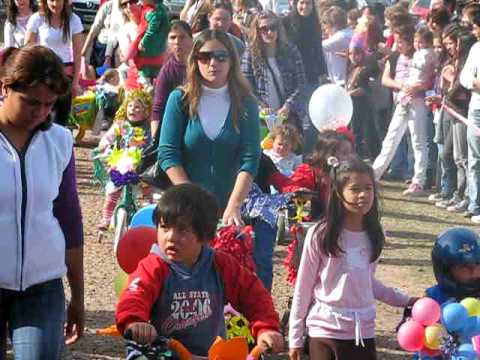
(454, 317)
(465, 352)
(143, 217)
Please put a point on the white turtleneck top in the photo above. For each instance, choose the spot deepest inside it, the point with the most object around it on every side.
(213, 109)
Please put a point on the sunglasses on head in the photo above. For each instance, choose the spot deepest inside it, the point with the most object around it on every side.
(206, 56)
(265, 29)
(124, 4)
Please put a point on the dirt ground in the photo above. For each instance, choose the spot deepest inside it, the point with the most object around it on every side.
(411, 226)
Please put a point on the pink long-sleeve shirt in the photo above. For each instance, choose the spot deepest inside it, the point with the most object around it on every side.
(335, 296)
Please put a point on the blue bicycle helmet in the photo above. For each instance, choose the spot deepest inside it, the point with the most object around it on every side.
(456, 246)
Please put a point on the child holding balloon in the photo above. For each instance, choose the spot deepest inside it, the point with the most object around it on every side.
(444, 324)
(342, 250)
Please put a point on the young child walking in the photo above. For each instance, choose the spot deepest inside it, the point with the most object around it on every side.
(411, 112)
(336, 288)
(130, 130)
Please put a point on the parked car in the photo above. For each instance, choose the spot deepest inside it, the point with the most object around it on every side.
(86, 9)
(420, 8)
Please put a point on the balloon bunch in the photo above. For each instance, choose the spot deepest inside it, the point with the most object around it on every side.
(238, 243)
(450, 331)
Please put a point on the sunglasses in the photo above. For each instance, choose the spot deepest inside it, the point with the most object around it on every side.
(206, 56)
(124, 4)
(265, 29)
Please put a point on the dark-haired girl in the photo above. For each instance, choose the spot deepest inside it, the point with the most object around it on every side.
(59, 29)
(18, 13)
(336, 288)
(41, 221)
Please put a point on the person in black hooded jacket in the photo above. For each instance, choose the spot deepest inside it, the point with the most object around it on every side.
(303, 29)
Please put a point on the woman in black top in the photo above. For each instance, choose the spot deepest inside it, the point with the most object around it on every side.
(303, 29)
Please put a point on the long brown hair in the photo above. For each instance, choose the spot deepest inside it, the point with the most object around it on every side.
(257, 47)
(64, 17)
(12, 10)
(238, 87)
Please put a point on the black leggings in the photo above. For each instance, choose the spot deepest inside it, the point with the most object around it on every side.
(334, 349)
(63, 107)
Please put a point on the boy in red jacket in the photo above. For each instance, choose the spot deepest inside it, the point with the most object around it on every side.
(179, 290)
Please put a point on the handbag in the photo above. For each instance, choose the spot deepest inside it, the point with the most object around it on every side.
(149, 170)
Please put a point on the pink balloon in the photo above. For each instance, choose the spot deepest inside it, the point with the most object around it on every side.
(410, 336)
(426, 311)
(476, 343)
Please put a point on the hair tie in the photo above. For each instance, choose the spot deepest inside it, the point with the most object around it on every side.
(333, 162)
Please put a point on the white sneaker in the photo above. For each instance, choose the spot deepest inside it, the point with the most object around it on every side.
(475, 219)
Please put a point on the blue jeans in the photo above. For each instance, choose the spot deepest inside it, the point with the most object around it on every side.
(35, 319)
(310, 132)
(402, 162)
(473, 140)
(263, 251)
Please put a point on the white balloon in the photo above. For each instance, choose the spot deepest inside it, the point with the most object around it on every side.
(330, 107)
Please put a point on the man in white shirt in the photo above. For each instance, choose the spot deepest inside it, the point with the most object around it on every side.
(335, 47)
(470, 79)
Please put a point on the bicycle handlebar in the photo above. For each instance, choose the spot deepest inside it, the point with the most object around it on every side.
(182, 352)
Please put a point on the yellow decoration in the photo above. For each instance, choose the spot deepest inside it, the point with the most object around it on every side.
(267, 143)
(472, 305)
(120, 282)
(433, 336)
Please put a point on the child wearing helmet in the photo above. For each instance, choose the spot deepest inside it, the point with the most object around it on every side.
(456, 265)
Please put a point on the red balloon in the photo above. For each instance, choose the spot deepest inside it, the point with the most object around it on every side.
(410, 336)
(134, 245)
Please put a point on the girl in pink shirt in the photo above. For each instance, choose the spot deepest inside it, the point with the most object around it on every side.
(336, 288)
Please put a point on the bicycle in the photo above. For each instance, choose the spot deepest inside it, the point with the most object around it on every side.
(123, 158)
(165, 348)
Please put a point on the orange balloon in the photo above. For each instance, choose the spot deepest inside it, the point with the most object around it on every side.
(134, 245)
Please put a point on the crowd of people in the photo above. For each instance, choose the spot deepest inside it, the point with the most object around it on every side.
(222, 96)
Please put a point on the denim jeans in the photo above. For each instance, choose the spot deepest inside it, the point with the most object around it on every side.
(263, 251)
(35, 319)
(460, 156)
(473, 140)
(402, 162)
(310, 132)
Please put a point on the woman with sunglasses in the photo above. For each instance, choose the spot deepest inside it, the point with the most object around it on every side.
(303, 29)
(41, 220)
(274, 68)
(59, 29)
(210, 130)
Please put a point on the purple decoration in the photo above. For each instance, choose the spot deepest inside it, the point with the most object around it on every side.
(119, 179)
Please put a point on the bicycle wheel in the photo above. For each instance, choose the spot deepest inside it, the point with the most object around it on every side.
(121, 224)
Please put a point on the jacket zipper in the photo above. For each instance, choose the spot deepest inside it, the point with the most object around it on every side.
(21, 155)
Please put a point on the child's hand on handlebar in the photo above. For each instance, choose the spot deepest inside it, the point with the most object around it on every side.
(271, 339)
(295, 353)
(143, 333)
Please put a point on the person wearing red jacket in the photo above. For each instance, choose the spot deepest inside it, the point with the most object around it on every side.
(179, 290)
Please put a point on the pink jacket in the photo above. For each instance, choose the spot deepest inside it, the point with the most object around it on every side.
(335, 296)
